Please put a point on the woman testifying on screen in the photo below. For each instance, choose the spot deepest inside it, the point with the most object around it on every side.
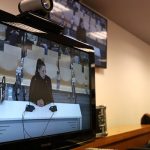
(40, 87)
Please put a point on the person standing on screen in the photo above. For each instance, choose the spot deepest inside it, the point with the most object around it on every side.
(40, 91)
(81, 31)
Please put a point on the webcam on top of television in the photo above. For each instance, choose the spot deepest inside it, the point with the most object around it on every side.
(36, 13)
(38, 7)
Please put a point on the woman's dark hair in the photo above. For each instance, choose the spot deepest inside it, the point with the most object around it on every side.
(39, 64)
(145, 119)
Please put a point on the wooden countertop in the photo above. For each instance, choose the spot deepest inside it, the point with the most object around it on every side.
(117, 134)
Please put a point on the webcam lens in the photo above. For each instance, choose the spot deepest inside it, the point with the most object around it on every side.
(46, 4)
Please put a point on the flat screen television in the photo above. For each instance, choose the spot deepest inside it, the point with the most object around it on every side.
(83, 24)
(70, 118)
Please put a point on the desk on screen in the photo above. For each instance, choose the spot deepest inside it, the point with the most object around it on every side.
(16, 123)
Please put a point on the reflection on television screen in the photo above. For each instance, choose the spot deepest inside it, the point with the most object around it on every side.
(84, 25)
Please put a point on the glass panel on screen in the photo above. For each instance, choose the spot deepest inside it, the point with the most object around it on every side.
(83, 24)
(68, 69)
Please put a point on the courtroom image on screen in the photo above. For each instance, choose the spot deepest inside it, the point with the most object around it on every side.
(43, 74)
(83, 24)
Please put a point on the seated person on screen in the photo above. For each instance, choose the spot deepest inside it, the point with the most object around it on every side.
(40, 91)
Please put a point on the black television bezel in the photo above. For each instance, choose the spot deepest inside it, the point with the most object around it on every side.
(64, 140)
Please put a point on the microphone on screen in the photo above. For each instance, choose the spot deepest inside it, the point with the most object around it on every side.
(29, 108)
(53, 108)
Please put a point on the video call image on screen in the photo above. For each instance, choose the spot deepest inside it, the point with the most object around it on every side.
(68, 70)
(84, 25)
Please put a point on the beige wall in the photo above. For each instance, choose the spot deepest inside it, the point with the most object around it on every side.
(124, 87)
(10, 6)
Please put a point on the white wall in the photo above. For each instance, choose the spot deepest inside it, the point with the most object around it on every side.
(124, 87)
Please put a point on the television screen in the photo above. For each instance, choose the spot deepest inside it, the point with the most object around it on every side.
(83, 24)
(48, 86)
